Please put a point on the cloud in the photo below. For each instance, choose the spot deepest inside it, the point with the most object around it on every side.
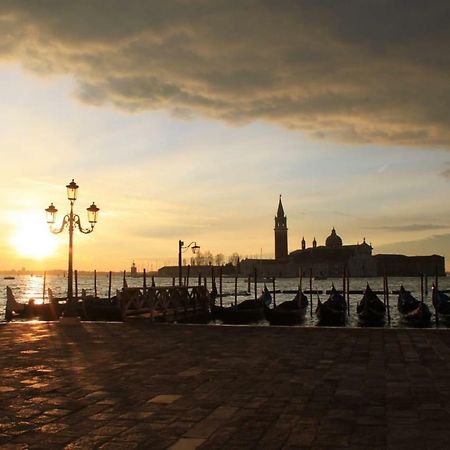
(410, 227)
(365, 72)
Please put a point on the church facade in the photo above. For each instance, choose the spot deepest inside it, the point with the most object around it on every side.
(330, 259)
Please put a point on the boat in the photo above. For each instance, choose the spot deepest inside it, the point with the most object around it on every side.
(9, 278)
(332, 311)
(290, 312)
(371, 310)
(31, 310)
(96, 308)
(245, 312)
(413, 312)
(441, 303)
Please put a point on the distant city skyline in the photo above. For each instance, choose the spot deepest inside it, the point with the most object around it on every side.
(186, 120)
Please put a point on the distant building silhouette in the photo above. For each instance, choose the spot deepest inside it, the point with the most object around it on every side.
(329, 260)
(281, 235)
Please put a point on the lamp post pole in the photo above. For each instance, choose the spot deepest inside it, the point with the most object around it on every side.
(182, 248)
(71, 221)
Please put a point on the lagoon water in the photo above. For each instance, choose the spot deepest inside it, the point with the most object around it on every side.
(31, 286)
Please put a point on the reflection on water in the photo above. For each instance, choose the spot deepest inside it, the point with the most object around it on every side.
(26, 287)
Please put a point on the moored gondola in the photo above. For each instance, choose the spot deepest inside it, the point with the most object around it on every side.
(441, 303)
(413, 312)
(332, 311)
(290, 312)
(248, 311)
(371, 310)
(102, 309)
(32, 309)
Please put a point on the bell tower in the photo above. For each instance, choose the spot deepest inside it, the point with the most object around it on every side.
(281, 238)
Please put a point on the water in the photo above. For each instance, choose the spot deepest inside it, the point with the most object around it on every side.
(28, 286)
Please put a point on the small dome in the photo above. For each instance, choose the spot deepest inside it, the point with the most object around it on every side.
(333, 240)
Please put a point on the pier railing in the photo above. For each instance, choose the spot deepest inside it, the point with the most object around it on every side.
(168, 302)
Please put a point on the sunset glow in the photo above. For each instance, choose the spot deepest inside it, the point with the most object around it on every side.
(32, 238)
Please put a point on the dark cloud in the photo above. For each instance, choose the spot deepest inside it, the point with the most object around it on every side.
(373, 71)
(411, 227)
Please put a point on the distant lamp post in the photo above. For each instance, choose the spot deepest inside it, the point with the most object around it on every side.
(181, 249)
(71, 221)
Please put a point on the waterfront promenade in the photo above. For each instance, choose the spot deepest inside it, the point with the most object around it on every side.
(137, 385)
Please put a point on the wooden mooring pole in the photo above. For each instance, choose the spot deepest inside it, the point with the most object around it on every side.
(387, 298)
(220, 284)
(95, 283)
(124, 281)
(43, 287)
(109, 284)
(310, 293)
(188, 274)
(249, 289)
(348, 292)
(421, 289)
(144, 281)
(235, 289)
(256, 283)
(273, 289)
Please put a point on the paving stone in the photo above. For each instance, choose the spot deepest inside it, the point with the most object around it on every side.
(138, 385)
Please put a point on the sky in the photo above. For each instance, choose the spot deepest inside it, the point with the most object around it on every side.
(187, 119)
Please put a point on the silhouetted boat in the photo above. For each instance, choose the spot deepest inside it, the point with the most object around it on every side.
(106, 309)
(9, 278)
(245, 312)
(290, 312)
(333, 310)
(413, 311)
(441, 303)
(31, 310)
(371, 310)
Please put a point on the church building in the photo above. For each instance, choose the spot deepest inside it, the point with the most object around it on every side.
(330, 259)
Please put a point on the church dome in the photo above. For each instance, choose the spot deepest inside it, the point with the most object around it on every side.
(333, 240)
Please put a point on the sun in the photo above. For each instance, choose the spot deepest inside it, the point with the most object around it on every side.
(32, 237)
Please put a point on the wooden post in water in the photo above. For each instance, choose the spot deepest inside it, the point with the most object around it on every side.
(144, 281)
(199, 279)
(76, 284)
(273, 288)
(153, 281)
(109, 284)
(426, 284)
(421, 288)
(95, 283)
(124, 281)
(220, 285)
(235, 289)
(249, 289)
(348, 291)
(387, 299)
(256, 284)
(188, 274)
(310, 293)
(173, 281)
(205, 280)
(43, 287)
(436, 278)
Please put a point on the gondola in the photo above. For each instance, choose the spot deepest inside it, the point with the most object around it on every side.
(441, 303)
(248, 311)
(413, 312)
(31, 310)
(106, 309)
(371, 310)
(290, 312)
(332, 311)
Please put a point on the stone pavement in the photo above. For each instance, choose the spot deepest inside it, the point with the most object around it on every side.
(137, 385)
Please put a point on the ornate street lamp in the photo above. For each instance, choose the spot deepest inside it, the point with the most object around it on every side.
(181, 249)
(70, 221)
